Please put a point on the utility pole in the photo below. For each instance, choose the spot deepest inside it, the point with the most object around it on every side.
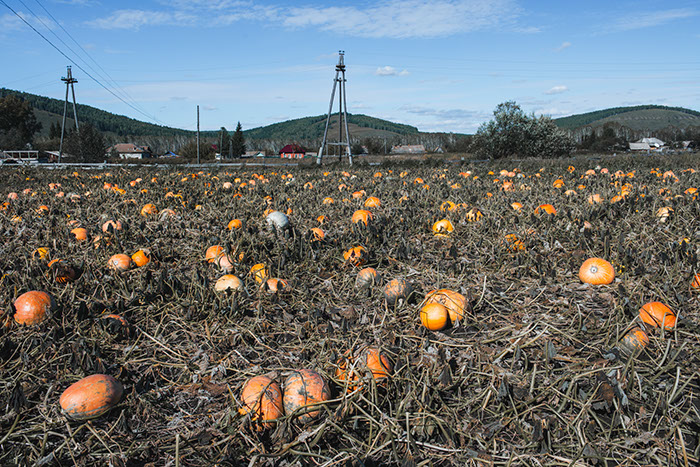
(342, 112)
(69, 80)
(197, 134)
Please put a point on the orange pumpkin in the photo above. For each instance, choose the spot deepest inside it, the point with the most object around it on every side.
(62, 271)
(635, 339)
(357, 256)
(596, 271)
(366, 360)
(317, 234)
(366, 278)
(148, 210)
(656, 314)
(275, 285)
(225, 262)
(140, 258)
(259, 272)
(80, 234)
(474, 215)
(696, 282)
(455, 302)
(373, 202)
(120, 262)
(213, 253)
(434, 316)
(303, 388)
(442, 228)
(235, 224)
(228, 282)
(32, 307)
(397, 289)
(91, 397)
(115, 225)
(262, 399)
(516, 206)
(545, 208)
(362, 216)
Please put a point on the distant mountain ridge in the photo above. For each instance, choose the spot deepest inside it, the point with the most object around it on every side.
(49, 110)
(636, 118)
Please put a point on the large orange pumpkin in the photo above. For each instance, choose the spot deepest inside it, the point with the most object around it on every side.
(262, 399)
(91, 397)
(32, 307)
(455, 302)
(373, 202)
(596, 271)
(656, 314)
(303, 388)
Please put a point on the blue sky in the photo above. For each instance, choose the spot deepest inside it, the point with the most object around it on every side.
(440, 65)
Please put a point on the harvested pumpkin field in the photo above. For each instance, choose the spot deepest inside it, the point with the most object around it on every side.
(231, 317)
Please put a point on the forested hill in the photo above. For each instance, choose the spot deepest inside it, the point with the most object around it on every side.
(49, 110)
(313, 127)
(641, 117)
(104, 121)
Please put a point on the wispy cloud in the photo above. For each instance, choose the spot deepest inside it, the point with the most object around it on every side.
(406, 18)
(390, 71)
(10, 22)
(136, 19)
(640, 20)
(563, 46)
(386, 18)
(557, 89)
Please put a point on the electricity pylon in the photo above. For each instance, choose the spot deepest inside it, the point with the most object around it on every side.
(339, 81)
(69, 80)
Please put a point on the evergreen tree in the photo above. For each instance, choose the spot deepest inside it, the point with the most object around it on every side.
(238, 142)
(17, 123)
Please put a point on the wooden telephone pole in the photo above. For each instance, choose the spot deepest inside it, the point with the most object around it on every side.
(342, 112)
(70, 81)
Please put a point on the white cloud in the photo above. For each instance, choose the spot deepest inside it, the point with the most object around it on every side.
(563, 46)
(406, 18)
(557, 90)
(640, 20)
(11, 22)
(386, 18)
(135, 19)
(390, 71)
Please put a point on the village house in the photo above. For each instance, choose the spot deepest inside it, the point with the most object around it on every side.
(408, 149)
(292, 151)
(128, 151)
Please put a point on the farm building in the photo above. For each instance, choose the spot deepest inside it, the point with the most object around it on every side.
(292, 151)
(647, 144)
(253, 154)
(408, 149)
(128, 151)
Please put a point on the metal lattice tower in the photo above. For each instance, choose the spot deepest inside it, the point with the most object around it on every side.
(339, 82)
(70, 81)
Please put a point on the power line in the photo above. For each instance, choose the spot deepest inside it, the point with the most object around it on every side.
(104, 73)
(150, 117)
